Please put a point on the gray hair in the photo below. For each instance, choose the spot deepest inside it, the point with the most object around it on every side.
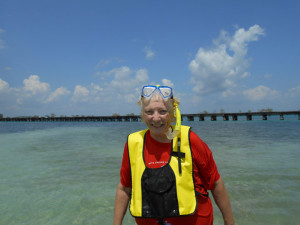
(169, 102)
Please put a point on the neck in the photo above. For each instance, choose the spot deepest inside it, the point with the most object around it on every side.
(160, 137)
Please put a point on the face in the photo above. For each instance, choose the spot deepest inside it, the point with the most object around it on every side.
(157, 117)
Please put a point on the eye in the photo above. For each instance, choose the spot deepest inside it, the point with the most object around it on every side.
(163, 112)
(149, 112)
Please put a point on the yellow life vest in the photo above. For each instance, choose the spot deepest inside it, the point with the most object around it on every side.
(182, 167)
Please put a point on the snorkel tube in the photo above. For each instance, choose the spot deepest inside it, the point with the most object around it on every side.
(176, 131)
(178, 117)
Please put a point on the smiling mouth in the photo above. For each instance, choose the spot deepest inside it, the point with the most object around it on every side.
(157, 125)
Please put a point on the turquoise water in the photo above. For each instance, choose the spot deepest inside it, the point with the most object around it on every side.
(66, 173)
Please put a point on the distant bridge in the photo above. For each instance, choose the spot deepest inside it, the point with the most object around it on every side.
(134, 118)
(130, 118)
(235, 116)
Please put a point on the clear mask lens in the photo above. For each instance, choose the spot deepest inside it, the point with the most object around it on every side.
(148, 91)
(166, 92)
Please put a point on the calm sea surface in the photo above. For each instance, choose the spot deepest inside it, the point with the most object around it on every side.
(66, 173)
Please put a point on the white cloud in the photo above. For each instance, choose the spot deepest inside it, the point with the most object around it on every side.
(261, 92)
(121, 73)
(96, 88)
(149, 52)
(122, 85)
(294, 92)
(103, 63)
(121, 82)
(3, 85)
(125, 80)
(242, 37)
(217, 69)
(59, 92)
(167, 82)
(34, 86)
(141, 75)
(26, 97)
(119, 85)
(81, 94)
(228, 93)
(96, 92)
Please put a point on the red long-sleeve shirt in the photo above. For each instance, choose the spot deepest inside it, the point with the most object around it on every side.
(157, 154)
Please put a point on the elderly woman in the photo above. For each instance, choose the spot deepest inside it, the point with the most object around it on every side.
(167, 170)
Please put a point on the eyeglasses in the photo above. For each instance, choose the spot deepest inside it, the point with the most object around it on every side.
(165, 91)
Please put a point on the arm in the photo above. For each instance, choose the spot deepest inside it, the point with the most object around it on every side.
(121, 203)
(222, 200)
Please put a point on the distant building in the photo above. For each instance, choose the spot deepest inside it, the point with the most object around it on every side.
(1, 116)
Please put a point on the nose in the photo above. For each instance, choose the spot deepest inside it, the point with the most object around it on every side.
(156, 117)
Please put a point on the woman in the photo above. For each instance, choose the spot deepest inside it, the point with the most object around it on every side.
(167, 170)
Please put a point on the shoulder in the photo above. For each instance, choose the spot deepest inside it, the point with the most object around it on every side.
(136, 136)
(140, 132)
(195, 139)
(199, 147)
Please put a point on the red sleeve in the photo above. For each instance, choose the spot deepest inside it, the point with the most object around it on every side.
(205, 169)
(125, 169)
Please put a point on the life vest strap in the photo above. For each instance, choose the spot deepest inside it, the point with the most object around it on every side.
(178, 154)
(205, 195)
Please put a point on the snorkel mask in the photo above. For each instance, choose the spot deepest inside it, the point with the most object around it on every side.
(166, 92)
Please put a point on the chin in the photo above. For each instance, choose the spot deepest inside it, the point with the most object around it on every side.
(158, 130)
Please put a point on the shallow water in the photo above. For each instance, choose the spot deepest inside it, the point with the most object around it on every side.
(66, 173)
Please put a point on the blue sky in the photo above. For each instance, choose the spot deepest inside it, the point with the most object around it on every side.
(93, 57)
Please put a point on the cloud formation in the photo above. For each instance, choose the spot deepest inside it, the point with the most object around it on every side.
(33, 86)
(58, 93)
(121, 84)
(149, 52)
(167, 82)
(81, 94)
(294, 92)
(260, 93)
(3, 85)
(118, 86)
(125, 83)
(33, 91)
(217, 69)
